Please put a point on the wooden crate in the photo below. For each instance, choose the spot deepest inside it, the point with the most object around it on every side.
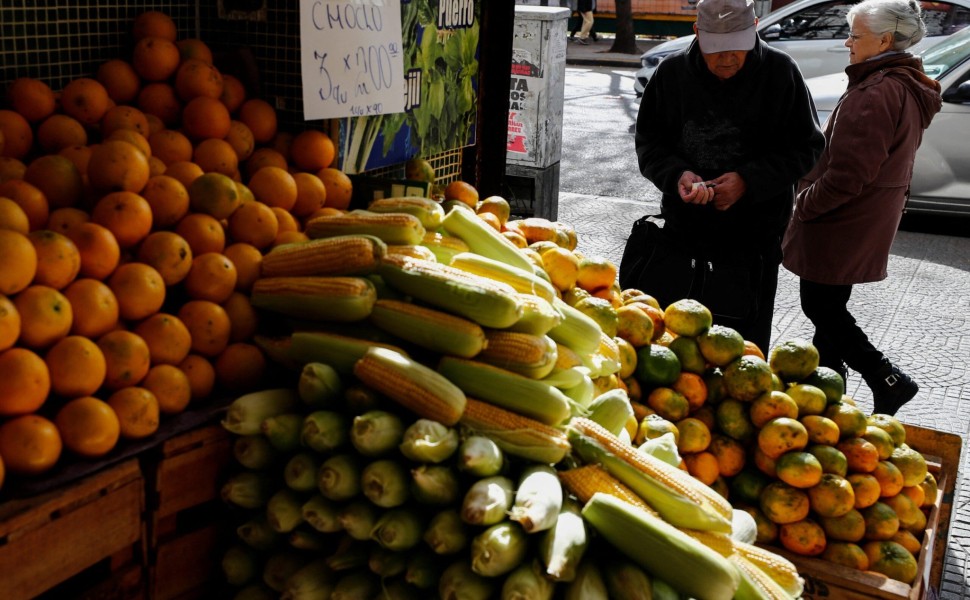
(186, 516)
(92, 525)
(829, 581)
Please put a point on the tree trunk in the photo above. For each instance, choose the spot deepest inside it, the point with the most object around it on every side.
(625, 41)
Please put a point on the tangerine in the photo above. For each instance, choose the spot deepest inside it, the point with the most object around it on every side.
(29, 445)
(88, 426)
(76, 365)
(25, 383)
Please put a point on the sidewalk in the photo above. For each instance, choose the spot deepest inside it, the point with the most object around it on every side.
(597, 53)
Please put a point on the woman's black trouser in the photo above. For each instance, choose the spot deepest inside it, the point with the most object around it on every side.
(837, 336)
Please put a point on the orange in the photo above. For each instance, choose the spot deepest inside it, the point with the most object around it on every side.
(866, 488)
(733, 420)
(634, 325)
(80, 156)
(892, 560)
(832, 496)
(560, 264)
(25, 383)
(204, 117)
(274, 186)
(86, 100)
(846, 554)
(17, 135)
(209, 325)
(10, 168)
(882, 522)
(694, 435)
(491, 220)
(265, 157)
(911, 463)
(155, 59)
(242, 317)
(170, 146)
(29, 445)
(214, 155)
(135, 139)
(805, 537)
(312, 150)
(881, 439)
(139, 288)
(159, 99)
(595, 272)
(197, 77)
(95, 307)
(168, 200)
(185, 171)
(703, 466)
(203, 232)
(98, 249)
(10, 324)
(212, 277)
(745, 378)
(77, 366)
(170, 386)
(154, 23)
(339, 187)
(730, 454)
(668, 403)
(168, 253)
(193, 48)
(45, 316)
(287, 222)
(233, 92)
(462, 191)
(821, 430)
(911, 518)
(119, 79)
(907, 540)
(782, 503)
(852, 422)
(117, 165)
(916, 493)
(13, 217)
(127, 358)
(765, 463)
(254, 223)
(30, 199)
(155, 166)
(126, 214)
(64, 219)
(201, 374)
(260, 116)
(850, 527)
(248, 260)
(831, 458)
(798, 469)
(241, 140)
(19, 259)
(88, 426)
(890, 478)
(59, 131)
(124, 117)
(58, 258)
(861, 455)
(240, 367)
(32, 98)
(168, 339)
(781, 435)
(57, 178)
(137, 410)
(771, 405)
(214, 194)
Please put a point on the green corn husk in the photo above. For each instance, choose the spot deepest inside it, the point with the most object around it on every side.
(308, 539)
(627, 581)
(255, 591)
(663, 591)
(351, 554)
(358, 518)
(325, 431)
(248, 489)
(435, 484)
(376, 432)
(499, 549)
(562, 547)
(487, 501)
(319, 385)
(446, 533)
(480, 456)
(663, 447)
(612, 410)
(280, 567)
(284, 511)
(258, 534)
(581, 394)
(283, 431)
(359, 399)
(428, 441)
(246, 414)
(589, 583)
(423, 570)
(240, 565)
(398, 589)
(385, 483)
(300, 472)
(356, 585)
(538, 499)
(254, 452)
(313, 581)
(322, 514)
(386, 563)
(398, 529)
(527, 583)
(459, 582)
(339, 477)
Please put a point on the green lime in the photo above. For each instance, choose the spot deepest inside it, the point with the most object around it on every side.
(720, 345)
(657, 365)
(829, 381)
(810, 399)
(747, 377)
(689, 354)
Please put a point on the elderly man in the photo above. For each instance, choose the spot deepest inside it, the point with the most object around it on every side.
(725, 130)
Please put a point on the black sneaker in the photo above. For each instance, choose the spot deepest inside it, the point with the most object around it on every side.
(891, 389)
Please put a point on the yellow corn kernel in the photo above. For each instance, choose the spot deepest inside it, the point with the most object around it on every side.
(585, 481)
(777, 567)
(515, 434)
(431, 329)
(523, 353)
(393, 228)
(341, 255)
(343, 299)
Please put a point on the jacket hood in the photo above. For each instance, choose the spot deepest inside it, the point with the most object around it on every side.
(908, 70)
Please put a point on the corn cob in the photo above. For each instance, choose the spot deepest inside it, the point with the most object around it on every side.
(528, 397)
(661, 549)
(488, 303)
(577, 330)
(425, 392)
(426, 210)
(429, 328)
(526, 282)
(716, 541)
(755, 584)
(444, 246)
(483, 239)
(586, 480)
(340, 255)
(538, 499)
(562, 547)
(411, 251)
(316, 298)
(538, 316)
(515, 434)
(612, 410)
(392, 228)
(338, 351)
(777, 567)
(526, 354)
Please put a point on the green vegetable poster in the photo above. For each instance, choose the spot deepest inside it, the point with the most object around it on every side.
(440, 47)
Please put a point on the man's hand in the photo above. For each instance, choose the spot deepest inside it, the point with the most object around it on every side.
(728, 189)
(693, 189)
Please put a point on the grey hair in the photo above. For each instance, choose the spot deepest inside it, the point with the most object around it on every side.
(902, 18)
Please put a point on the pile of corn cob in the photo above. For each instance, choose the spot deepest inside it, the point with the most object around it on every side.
(457, 429)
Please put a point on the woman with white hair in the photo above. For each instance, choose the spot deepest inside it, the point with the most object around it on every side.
(849, 206)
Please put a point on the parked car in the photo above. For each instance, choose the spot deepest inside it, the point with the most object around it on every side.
(941, 173)
(813, 32)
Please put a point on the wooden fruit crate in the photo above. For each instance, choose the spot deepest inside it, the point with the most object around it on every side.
(186, 516)
(829, 581)
(75, 533)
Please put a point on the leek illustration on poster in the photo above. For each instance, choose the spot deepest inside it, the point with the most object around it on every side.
(440, 45)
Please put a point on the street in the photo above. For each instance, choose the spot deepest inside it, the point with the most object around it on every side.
(918, 316)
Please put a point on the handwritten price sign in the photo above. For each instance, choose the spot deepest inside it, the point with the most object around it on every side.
(352, 59)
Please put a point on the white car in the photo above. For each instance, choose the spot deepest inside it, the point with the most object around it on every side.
(941, 173)
(813, 32)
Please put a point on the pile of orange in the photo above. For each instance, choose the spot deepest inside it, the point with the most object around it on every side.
(135, 207)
